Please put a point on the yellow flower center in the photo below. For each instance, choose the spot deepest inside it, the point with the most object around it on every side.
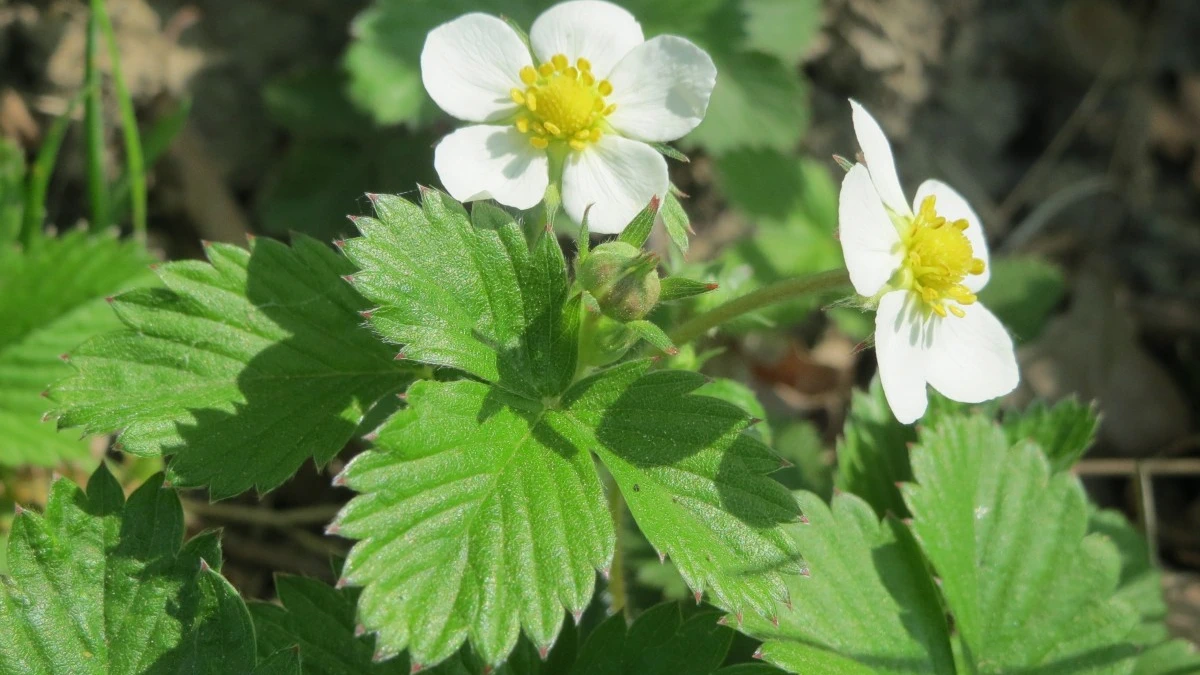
(937, 257)
(562, 103)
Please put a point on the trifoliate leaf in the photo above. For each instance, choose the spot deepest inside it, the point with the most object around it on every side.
(283, 662)
(100, 585)
(1002, 530)
(872, 456)
(52, 300)
(242, 368)
(467, 292)
(481, 512)
(1023, 292)
(662, 641)
(870, 604)
(758, 102)
(1063, 431)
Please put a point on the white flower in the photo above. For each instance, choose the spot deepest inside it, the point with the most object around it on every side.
(585, 105)
(924, 270)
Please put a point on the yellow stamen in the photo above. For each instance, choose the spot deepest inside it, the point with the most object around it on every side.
(937, 260)
(562, 103)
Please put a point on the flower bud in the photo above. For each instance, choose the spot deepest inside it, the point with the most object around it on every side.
(623, 279)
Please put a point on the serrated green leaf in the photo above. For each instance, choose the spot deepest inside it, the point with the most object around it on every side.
(869, 602)
(12, 191)
(1002, 531)
(783, 28)
(100, 585)
(481, 512)
(241, 368)
(662, 641)
(52, 300)
(282, 662)
(1140, 584)
(478, 519)
(694, 481)
(1022, 293)
(1176, 657)
(873, 452)
(1063, 431)
(743, 397)
(319, 621)
(758, 102)
(467, 295)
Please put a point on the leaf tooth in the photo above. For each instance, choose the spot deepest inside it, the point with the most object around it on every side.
(372, 437)
(367, 313)
(758, 653)
(416, 667)
(805, 571)
(64, 357)
(353, 218)
(348, 278)
(802, 519)
(342, 583)
(333, 529)
(605, 572)
(577, 615)
(754, 421)
(723, 620)
(340, 243)
(698, 595)
(712, 286)
(401, 356)
(784, 463)
(775, 620)
(544, 652)
(17, 509)
(662, 557)
(359, 630)
(46, 417)
(339, 480)
(204, 566)
(739, 616)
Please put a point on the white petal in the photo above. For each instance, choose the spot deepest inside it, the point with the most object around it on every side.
(953, 206)
(600, 32)
(661, 89)
(471, 65)
(618, 176)
(901, 342)
(489, 162)
(971, 358)
(878, 153)
(869, 240)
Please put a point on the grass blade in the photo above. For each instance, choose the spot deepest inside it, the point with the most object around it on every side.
(153, 145)
(40, 173)
(134, 160)
(93, 121)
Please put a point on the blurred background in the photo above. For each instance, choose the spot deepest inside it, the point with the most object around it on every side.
(1073, 127)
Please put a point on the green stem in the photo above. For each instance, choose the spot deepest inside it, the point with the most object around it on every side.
(616, 573)
(781, 291)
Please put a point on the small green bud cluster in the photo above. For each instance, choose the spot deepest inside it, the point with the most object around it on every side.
(623, 279)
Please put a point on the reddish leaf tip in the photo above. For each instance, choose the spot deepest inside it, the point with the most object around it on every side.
(17, 509)
(400, 356)
(359, 630)
(544, 651)
(711, 286)
(367, 313)
(604, 572)
(755, 420)
(739, 617)
(339, 242)
(802, 519)
(45, 393)
(251, 237)
(339, 480)
(109, 299)
(205, 243)
(723, 620)
(204, 566)
(775, 621)
(403, 396)
(662, 557)
(805, 572)
(577, 615)
(45, 417)
(64, 357)
(371, 437)
(672, 351)
(655, 203)
(333, 529)
(348, 278)
(785, 463)
(353, 218)
(342, 583)
(757, 654)
(698, 595)
(374, 197)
